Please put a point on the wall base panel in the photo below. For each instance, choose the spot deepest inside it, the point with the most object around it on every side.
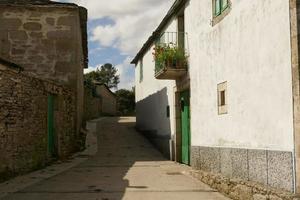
(271, 168)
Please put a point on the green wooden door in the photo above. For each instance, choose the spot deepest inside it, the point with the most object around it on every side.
(51, 138)
(185, 126)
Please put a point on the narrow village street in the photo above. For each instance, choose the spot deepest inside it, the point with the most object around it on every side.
(126, 166)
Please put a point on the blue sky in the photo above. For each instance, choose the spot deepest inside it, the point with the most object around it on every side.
(117, 29)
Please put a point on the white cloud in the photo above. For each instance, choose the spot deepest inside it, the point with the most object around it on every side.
(91, 69)
(126, 72)
(133, 22)
(95, 50)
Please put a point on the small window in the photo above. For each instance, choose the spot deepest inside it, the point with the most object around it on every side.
(222, 93)
(168, 111)
(141, 70)
(220, 9)
(220, 6)
(222, 98)
(224, 4)
(217, 7)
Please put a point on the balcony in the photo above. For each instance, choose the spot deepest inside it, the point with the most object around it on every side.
(170, 56)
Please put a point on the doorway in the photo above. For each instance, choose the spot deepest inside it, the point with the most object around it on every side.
(52, 147)
(185, 127)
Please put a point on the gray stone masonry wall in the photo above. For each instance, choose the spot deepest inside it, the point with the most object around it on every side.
(49, 41)
(109, 100)
(45, 40)
(92, 104)
(23, 122)
(269, 168)
(241, 190)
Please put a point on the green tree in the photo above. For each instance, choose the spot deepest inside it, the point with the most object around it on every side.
(107, 74)
(126, 101)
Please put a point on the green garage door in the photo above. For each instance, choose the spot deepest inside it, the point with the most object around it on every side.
(185, 126)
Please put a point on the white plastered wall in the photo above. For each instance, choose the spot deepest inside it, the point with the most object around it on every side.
(250, 49)
(153, 96)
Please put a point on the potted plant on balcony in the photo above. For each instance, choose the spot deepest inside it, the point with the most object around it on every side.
(169, 56)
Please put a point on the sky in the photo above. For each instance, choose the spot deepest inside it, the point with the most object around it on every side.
(117, 29)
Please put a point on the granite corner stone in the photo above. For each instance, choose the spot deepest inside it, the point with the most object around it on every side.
(258, 166)
(280, 170)
(239, 159)
(195, 157)
(210, 159)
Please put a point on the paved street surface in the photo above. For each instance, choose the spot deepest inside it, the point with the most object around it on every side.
(125, 167)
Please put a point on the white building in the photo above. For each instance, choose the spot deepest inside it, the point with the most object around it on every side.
(235, 109)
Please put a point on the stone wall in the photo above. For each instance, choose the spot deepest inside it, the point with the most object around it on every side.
(109, 100)
(92, 104)
(270, 168)
(241, 190)
(48, 40)
(23, 121)
(45, 40)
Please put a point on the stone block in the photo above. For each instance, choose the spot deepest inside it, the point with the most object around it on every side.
(258, 166)
(10, 24)
(64, 67)
(18, 35)
(242, 192)
(50, 21)
(36, 59)
(226, 163)
(66, 21)
(272, 197)
(59, 34)
(280, 169)
(5, 45)
(65, 46)
(210, 159)
(239, 158)
(259, 197)
(195, 157)
(36, 35)
(16, 51)
(32, 26)
(36, 14)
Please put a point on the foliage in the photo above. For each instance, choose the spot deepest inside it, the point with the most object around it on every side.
(169, 54)
(126, 101)
(107, 75)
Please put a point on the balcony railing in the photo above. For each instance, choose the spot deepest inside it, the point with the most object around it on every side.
(171, 55)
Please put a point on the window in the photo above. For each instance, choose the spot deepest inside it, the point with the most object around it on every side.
(222, 98)
(168, 111)
(220, 6)
(141, 70)
(220, 9)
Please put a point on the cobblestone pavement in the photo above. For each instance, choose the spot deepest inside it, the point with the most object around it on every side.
(126, 166)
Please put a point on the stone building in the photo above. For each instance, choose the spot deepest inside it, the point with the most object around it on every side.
(108, 100)
(49, 40)
(99, 100)
(229, 104)
(37, 121)
(92, 103)
(43, 51)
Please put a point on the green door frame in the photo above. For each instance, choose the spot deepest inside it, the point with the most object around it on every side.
(185, 127)
(50, 125)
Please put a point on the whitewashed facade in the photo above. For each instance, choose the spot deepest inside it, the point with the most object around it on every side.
(249, 49)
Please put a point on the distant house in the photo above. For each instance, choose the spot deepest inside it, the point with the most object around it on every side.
(227, 101)
(108, 99)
